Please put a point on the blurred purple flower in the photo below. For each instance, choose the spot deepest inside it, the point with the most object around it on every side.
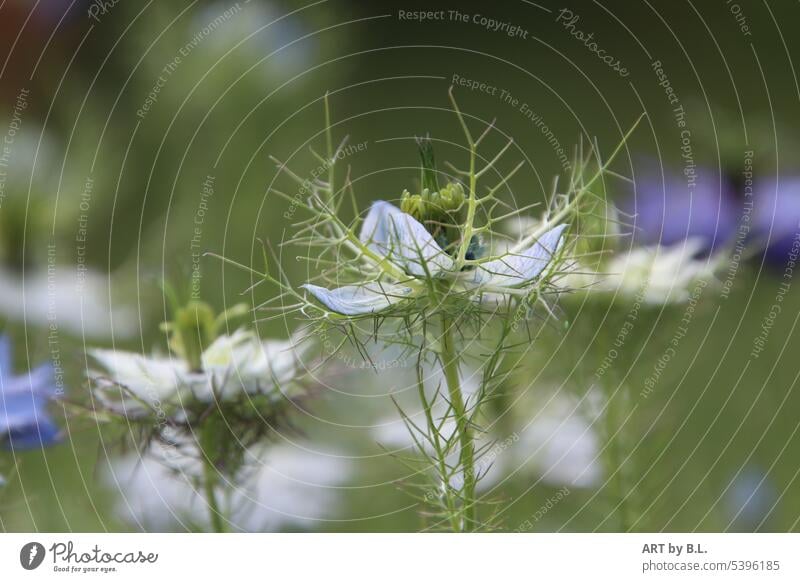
(668, 211)
(776, 212)
(24, 420)
(53, 11)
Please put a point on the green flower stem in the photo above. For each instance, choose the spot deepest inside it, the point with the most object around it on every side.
(472, 201)
(211, 478)
(433, 430)
(614, 459)
(329, 147)
(209, 483)
(450, 366)
(616, 411)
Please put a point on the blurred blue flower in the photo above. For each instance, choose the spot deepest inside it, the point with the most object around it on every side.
(24, 420)
(668, 211)
(750, 499)
(776, 210)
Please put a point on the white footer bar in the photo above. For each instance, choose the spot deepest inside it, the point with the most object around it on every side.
(379, 557)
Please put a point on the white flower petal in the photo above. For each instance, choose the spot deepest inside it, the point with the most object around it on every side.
(289, 486)
(401, 238)
(560, 443)
(657, 275)
(358, 299)
(279, 358)
(524, 266)
(375, 230)
(241, 362)
(79, 300)
(150, 379)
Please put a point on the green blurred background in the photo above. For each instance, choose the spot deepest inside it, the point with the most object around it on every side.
(253, 87)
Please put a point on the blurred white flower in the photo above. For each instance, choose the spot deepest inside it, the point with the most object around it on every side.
(653, 274)
(559, 444)
(294, 487)
(76, 302)
(231, 364)
(288, 487)
(241, 361)
(150, 379)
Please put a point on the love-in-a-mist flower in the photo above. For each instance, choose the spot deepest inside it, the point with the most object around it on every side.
(435, 272)
(25, 422)
(210, 401)
(233, 365)
(204, 365)
(412, 260)
(432, 243)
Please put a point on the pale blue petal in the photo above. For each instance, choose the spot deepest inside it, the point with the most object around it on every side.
(375, 230)
(359, 299)
(402, 239)
(42, 379)
(6, 362)
(21, 409)
(24, 421)
(524, 266)
(40, 432)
